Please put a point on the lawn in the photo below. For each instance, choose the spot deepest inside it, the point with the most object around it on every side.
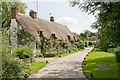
(102, 65)
(35, 66)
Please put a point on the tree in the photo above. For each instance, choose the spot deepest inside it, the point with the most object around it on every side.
(86, 34)
(11, 66)
(108, 20)
(6, 9)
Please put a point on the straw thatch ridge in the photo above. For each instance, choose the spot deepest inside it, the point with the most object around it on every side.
(32, 26)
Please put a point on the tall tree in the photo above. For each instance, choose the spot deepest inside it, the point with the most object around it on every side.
(6, 9)
(108, 21)
(86, 34)
(11, 66)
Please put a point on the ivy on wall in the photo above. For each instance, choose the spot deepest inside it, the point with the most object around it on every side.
(24, 38)
(46, 46)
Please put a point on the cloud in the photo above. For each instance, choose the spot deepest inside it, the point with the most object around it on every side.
(71, 23)
(74, 25)
(67, 20)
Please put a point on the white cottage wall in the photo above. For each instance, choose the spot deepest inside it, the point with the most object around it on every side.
(13, 34)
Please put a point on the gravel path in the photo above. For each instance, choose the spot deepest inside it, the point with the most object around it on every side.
(66, 67)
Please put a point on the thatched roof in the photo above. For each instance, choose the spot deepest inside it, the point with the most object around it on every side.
(32, 26)
(92, 38)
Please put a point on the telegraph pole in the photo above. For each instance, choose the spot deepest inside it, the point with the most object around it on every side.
(37, 6)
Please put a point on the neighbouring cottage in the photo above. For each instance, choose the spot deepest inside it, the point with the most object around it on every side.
(38, 33)
(92, 39)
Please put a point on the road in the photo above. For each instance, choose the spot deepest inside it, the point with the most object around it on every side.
(65, 67)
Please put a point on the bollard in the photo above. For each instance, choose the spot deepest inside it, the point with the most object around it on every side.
(46, 61)
(59, 56)
(91, 74)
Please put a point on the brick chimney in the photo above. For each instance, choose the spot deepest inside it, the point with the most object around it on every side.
(14, 12)
(52, 19)
(33, 14)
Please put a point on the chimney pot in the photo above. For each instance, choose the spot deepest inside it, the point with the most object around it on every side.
(33, 14)
(14, 12)
(52, 19)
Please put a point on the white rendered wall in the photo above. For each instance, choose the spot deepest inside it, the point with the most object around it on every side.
(13, 34)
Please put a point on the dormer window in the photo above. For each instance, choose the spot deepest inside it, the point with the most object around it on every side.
(69, 39)
(40, 33)
(53, 36)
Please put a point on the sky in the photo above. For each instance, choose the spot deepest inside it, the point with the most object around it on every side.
(76, 20)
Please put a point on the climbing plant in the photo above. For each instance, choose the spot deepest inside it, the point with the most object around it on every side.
(42, 43)
(24, 38)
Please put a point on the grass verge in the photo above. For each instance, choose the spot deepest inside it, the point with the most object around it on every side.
(104, 59)
(66, 54)
(61, 55)
(35, 66)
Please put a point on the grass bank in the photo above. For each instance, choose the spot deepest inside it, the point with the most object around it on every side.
(101, 64)
(66, 54)
(59, 55)
(35, 66)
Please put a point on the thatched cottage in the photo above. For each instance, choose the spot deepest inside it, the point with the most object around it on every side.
(34, 31)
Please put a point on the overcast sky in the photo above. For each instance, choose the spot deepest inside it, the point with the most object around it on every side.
(76, 20)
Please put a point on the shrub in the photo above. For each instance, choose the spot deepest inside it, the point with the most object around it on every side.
(96, 49)
(117, 54)
(86, 44)
(74, 49)
(38, 56)
(96, 44)
(14, 68)
(65, 45)
(79, 45)
(104, 46)
(110, 50)
(23, 52)
(90, 43)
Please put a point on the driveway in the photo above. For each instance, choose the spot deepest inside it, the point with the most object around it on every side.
(65, 67)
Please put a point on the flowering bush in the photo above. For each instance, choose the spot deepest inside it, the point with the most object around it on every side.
(23, 52)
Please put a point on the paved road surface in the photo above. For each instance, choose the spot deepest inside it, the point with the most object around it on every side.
(66, 67)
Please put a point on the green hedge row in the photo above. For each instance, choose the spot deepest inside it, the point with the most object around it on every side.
(116, 51)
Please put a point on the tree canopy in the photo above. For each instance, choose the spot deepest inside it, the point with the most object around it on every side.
(83, 36)
(108, 21)
(6, 8)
